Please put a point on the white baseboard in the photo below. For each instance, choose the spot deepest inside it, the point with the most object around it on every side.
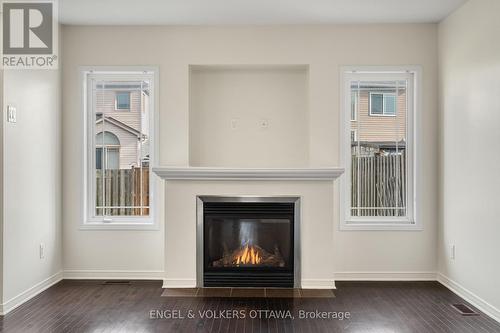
(179, 283)
(469, 296)
(112, 275)
(318, 284)
(385, 276)
(28, 294)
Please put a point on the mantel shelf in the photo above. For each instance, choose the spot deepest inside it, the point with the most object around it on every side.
(205, 173)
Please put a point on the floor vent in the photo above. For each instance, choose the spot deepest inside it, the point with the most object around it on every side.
(465, 310)
(118, 282)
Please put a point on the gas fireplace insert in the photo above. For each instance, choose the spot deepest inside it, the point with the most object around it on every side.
(248, 242)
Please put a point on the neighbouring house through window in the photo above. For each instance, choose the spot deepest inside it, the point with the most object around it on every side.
(379, 153)
(119, 147)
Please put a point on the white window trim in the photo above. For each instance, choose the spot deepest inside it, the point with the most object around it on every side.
(88, 221)
(383, 104)
(412, 222)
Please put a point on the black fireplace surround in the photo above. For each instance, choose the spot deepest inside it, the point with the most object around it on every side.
(248, 244)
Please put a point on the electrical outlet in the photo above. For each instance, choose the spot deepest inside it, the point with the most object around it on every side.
(452, 252)
(11, 114)
(42, 250)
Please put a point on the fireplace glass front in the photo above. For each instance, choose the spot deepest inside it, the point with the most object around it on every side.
(248, 244)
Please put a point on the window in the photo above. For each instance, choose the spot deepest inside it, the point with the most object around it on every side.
(354, 105)
(379, 186)
(107, 151)
(354, 135)
(382, 104)
(119, 148)
(122, 101)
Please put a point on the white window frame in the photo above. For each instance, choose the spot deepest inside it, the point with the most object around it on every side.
(411, 222)
(383, 114)
(90, 221)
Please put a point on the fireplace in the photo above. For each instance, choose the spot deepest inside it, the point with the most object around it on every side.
(248, 242)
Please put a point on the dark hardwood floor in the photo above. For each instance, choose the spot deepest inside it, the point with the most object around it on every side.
(91, 306)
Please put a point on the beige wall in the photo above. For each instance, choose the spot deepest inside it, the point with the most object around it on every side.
(469, 130)
(228, 105)
(324, 49)
(32, 184)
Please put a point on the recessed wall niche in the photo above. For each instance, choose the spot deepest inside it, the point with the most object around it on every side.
(249, 116)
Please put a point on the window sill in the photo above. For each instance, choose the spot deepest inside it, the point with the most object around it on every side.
(119, 225)
(403, 225)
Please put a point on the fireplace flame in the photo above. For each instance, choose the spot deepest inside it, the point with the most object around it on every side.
(248, 255)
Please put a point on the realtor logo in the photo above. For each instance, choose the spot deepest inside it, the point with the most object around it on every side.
(28, 34)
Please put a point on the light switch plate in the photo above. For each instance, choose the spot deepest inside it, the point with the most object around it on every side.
(11, 114)
(234, 123)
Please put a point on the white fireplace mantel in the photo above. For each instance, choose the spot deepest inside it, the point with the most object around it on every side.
(205, 173)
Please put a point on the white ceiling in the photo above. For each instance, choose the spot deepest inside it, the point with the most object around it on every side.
(193, 12)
